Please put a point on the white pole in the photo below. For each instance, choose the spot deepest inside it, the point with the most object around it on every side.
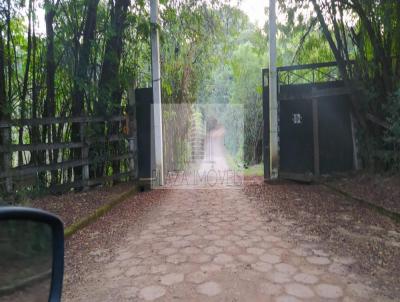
(273, 94)
(156, 75)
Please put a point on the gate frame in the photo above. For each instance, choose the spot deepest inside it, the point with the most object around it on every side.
(292, 75)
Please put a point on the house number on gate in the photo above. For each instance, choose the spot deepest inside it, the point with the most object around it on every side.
(297, 118)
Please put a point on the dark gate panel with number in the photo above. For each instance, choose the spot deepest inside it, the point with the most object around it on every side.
(315, 131)
(296, 140)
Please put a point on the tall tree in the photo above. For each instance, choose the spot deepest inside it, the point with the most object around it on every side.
(49, 110)
(50, 103)
(35, 129)
(26, 79)
(109, 84)
(339, 53)
(110, 92)
(3, 94)
(81, 74)
(82, 65)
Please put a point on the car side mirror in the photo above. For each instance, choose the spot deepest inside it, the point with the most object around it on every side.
(31, 255)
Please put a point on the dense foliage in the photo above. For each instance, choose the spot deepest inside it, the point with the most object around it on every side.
(85, 58)
(368, 32)
(69, 58)
(363, 37)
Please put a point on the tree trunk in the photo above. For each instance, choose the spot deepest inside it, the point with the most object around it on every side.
(50, 103)
(378, 48)
(6, 96)
(35, 129)
(3, 94)
(109, 84)
(25, 81)
(342, 64)
(397, 31)
(110, 92)
(9, 64)
(81, 77)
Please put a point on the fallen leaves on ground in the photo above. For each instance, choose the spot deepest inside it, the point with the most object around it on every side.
(381, 190)
(314, 213)
(72, 207)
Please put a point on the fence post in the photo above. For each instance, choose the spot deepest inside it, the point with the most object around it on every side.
(84, 157)
(7, 159)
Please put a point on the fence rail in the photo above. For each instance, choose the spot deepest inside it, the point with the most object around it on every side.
(58, 120)
(121, 152)
(306, 74)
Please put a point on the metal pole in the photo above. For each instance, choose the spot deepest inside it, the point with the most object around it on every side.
(273, 95)
(156, 75)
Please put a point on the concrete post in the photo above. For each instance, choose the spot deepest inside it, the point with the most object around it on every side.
(156, 76)
(273, 94)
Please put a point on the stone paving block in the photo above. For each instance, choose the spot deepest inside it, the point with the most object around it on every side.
(209, 289)
(246, 258)
(197, 277)
(285, 268)
(223, 259)
(299, 290)
(255, 251)
(306, 278)
(328, 291)
(152, 293)
(269, 258)
(278, 277)
(172, 278)
(261, 266)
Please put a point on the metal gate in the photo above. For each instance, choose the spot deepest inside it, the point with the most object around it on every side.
(315, 126)
(144, 101)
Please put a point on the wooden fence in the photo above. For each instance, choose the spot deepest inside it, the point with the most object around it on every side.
(14, 176)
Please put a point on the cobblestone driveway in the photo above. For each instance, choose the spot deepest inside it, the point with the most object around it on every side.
(213, 245)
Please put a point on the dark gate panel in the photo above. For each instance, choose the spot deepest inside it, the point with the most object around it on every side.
(315, 131)
(144, 100)
(266, 131)
(296, 137)
(335, 137)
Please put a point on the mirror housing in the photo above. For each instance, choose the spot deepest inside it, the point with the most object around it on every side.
(55, 225)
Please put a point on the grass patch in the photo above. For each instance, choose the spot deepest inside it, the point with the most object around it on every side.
(256, 170)
(234, 164)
